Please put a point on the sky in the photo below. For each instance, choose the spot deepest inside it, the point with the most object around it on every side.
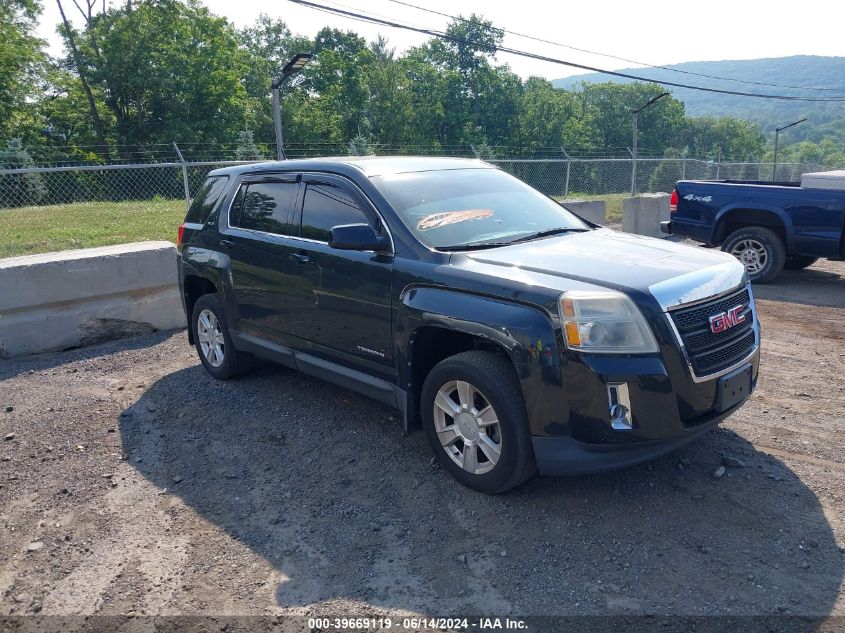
(656, 32)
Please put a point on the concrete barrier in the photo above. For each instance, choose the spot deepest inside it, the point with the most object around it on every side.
(59, 300)
(591, 210)
(642, 215)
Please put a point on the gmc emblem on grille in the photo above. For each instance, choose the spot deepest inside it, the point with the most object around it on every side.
(726, 320)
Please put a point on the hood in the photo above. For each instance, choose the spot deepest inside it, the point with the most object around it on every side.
(615, 260)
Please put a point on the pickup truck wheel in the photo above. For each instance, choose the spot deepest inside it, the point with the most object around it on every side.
(213, 341)
(759, 249)
(475, 421)
(799, 262)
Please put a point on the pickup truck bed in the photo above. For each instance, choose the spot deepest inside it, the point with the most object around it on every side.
(767, 226)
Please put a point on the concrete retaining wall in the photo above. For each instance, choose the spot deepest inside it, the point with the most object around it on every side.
(60, 300)
(642, 215)
(591, 210)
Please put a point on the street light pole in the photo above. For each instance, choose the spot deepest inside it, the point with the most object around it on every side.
(635, 115)
(277, 120)
(778, 130)
(635, 119)
(297, 63)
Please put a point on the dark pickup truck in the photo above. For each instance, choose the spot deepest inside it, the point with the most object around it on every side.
(766, 226)
(519, 337)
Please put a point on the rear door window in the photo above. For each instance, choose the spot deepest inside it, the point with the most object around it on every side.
(326, 206)
(206, 199)
(265, 206)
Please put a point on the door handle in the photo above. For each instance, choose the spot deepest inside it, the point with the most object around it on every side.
(229, 243)
(299, 258)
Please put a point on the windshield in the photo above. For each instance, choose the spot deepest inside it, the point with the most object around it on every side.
(459, 207)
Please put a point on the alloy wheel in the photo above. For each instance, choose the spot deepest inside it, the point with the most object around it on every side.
(210, 337)
(467, 427)
(751, 254)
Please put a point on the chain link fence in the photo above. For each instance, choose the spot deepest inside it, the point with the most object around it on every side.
(47, 186)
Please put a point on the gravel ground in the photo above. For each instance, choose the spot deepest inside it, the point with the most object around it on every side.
(132, 482)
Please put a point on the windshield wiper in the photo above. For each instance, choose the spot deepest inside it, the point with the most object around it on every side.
(471, 246)
(547, 232)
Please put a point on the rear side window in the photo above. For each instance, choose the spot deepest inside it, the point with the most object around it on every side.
(265, 206)
(326, 206)
(206, 199)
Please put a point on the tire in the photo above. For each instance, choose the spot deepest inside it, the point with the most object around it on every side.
(759, 249)
(233, 362)
(495, 395)
(799, 262)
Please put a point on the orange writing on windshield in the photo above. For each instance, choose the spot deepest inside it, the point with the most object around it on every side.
(444, 218)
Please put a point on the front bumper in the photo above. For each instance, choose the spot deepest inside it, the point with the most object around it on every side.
(568, 456)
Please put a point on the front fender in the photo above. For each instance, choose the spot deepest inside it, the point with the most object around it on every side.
(525, 333)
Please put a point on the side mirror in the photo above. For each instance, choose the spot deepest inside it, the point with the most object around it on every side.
(357, 237)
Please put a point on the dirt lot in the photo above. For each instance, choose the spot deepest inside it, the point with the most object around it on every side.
(130, 481)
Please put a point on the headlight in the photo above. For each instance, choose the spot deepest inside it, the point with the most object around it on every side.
(604, 322)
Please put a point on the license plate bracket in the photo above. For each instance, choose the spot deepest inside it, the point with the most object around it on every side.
(733, 388)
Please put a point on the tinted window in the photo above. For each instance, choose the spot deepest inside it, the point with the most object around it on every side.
(206, 199)
(326, 206)
(264, 206)
(460, 206)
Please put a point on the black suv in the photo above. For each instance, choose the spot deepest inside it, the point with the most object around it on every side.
(518, 336)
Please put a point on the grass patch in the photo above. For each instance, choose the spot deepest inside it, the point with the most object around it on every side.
(612, 203)
(30, 230)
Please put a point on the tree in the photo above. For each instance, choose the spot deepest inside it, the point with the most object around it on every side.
(607, 109)
(82, 72)
(168, 70)
(730, 138)
(246, 148)
(18, 190)
(268, 45)
(21, 62)
(360, 145)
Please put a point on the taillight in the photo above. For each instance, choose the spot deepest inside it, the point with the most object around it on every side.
(673, 201)
(180, 234)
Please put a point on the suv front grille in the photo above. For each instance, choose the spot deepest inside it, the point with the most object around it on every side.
(709, 352)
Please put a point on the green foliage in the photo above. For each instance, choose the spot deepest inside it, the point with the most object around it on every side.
(21, 62)
(168, 70)
(246, 148)
(823, 153)
(360, 146)
(19, 189)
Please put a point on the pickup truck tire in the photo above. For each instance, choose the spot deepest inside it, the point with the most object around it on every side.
(213, 341)
(475, 420)
(759, 249)
(799, 262)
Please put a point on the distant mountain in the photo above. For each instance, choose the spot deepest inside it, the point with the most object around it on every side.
(825, 119)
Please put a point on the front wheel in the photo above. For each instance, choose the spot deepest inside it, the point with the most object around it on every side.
(474, 418)
(759, 249)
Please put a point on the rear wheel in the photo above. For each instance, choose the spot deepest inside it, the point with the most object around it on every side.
(213, 341)
(759, 249)
(475, 421)
(799, 262)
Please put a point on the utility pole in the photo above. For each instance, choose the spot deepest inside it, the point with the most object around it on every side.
(778, 130)
(635, 115)
(297, 63)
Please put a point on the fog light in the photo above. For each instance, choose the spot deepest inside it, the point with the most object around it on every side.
(620, 406)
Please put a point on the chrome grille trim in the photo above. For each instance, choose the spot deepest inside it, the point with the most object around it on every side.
(755, 327)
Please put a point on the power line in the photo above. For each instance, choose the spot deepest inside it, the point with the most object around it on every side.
(442, 35)
(623, 59)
